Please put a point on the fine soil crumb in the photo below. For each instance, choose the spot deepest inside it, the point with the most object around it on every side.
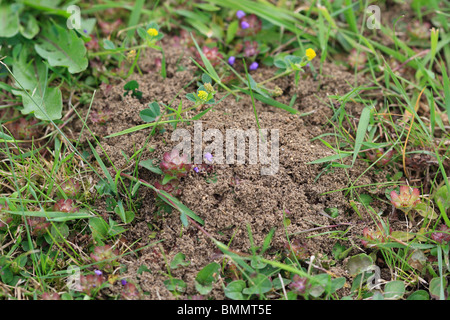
(237, 196)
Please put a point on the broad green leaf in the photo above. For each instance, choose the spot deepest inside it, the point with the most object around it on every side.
(419, 295)
(5, 137)
(435, 287)
(337, 284)
(175, 285)
(98, 227)
(46, 107)
(206, 277)
(443, 197)
(323, 281)
(359, 263)
(9, 21)
(152, 113)
(131, 85)
(394, 290)
(234, 290)
(31, 27)
(62, 47)
(258, 285)
(179, 260)
(148, 164)
(426, 211)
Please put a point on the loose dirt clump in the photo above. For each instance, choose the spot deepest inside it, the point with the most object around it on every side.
(237, 195)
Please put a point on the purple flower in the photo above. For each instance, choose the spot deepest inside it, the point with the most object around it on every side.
(245, 25)
(231, 60)
(196, 169)
(208, 157)
(123, 282)
(84, 30)
(98, 272)
(254, 66)
(240, 14)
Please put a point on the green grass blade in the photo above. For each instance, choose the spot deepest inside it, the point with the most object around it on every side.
(361, 132)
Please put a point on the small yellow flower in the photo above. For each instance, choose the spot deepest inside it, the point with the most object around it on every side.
(203, 95)
(310, 54)
(152, 32)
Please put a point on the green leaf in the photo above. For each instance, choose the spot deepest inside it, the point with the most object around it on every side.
(5, 137)
(435, 287)
(9, 21)
(206, 277)
(53, 215)
(131, 85)
(323, 282)
(31, 28)
(59, 231)
(175, 285)
(419, 295)
(426, 211)
(108, 44)
(179, 260)
(330, 158)
(394, 290)
(359, 263)
(258, 285)
(231, 31)
(45, 107)
(6, 275)
(98, 227)
(361, 132)
(270, 101)
(337, 284)
(443, 197)
(152, 113)
(365, 199)
(206, 79)
(61, 47)
(148, 164)
(125, 216)
(402, 235)
(31, 75)
(234, 290)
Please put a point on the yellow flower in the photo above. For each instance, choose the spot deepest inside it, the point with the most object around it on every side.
(203, 95)
(310, 54)
(152, 32)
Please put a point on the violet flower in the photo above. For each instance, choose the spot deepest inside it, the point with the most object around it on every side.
(231, 60)
(245, 25)
(98, 272)
(254, 66)
(240, 14)
(208, 157)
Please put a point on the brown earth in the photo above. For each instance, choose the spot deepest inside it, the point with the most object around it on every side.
(240, 196)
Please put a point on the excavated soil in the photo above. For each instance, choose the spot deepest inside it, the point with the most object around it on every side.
(239, 195)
